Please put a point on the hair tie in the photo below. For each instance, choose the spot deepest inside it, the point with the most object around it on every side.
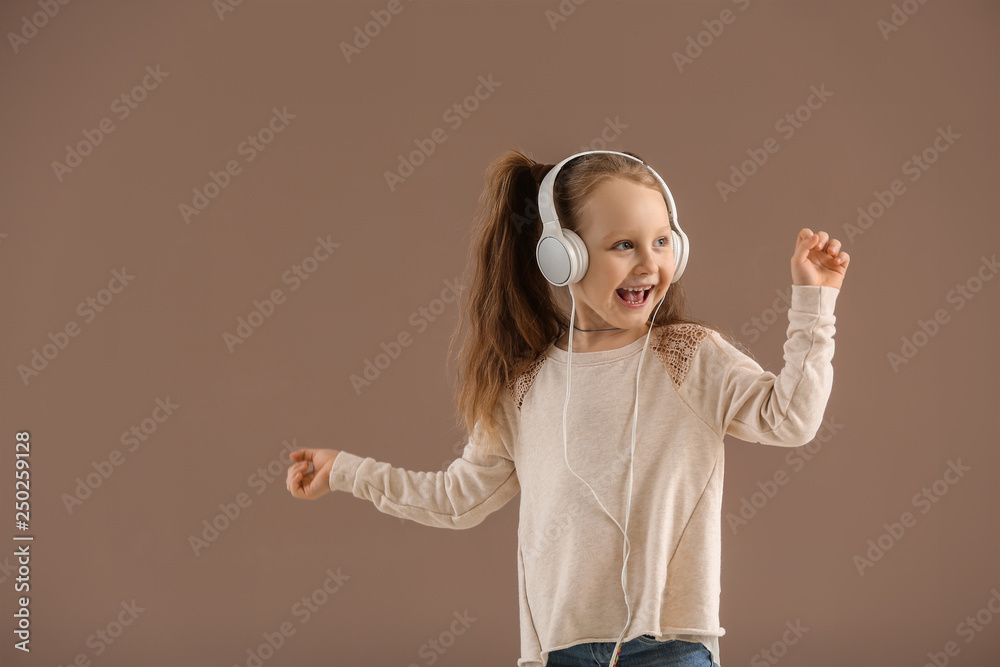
(538, 171)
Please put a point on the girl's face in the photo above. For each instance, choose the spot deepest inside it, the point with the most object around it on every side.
(626, 228)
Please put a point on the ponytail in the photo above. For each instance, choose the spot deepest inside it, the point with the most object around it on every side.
(511, 310)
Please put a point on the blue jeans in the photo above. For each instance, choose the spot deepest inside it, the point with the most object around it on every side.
(643, 651)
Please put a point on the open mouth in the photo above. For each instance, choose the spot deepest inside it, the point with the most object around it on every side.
(633, 299)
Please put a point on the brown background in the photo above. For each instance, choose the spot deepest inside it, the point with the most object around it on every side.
(323, 176)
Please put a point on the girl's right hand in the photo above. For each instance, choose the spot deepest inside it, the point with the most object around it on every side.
(310, 484)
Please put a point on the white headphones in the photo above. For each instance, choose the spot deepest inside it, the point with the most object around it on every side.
(563, 260)
(560, 252)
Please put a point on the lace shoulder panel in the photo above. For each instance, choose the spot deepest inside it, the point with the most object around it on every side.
(676, 345)
(519, 386)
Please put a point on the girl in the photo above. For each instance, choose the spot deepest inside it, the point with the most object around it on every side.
(569, 460)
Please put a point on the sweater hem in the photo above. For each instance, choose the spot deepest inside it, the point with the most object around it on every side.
(708, 639)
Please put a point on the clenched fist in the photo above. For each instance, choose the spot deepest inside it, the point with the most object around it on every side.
(310, 483)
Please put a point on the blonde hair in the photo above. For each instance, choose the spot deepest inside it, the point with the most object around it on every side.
(514, 313)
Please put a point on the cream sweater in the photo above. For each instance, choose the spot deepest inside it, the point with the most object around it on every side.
(695, 388)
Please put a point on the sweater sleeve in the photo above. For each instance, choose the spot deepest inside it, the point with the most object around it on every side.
(475, 485)
(735, 396)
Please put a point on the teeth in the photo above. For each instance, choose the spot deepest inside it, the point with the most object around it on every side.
(639, 290)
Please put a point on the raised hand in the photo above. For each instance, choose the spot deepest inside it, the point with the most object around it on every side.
(818, 260)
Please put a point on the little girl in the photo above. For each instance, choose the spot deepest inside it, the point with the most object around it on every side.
(595, 478)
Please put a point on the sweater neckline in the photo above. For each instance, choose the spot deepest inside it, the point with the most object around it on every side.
(600, 356)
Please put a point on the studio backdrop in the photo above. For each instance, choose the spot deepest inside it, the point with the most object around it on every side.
(231, 229)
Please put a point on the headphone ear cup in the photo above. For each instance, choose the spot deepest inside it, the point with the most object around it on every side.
(680, 255)
(578, 257)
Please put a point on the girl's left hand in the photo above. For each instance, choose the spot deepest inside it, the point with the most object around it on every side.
(818, 260)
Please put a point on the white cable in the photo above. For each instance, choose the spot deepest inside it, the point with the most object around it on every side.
(626, 545)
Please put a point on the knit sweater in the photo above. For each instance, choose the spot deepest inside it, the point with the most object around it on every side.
(694, 389)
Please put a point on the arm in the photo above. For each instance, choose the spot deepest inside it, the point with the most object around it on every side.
(478, 483)
(735, 396)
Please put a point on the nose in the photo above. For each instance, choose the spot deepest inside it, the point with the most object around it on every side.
(647, 262)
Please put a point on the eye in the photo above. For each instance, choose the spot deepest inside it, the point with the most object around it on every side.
(665, 239)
